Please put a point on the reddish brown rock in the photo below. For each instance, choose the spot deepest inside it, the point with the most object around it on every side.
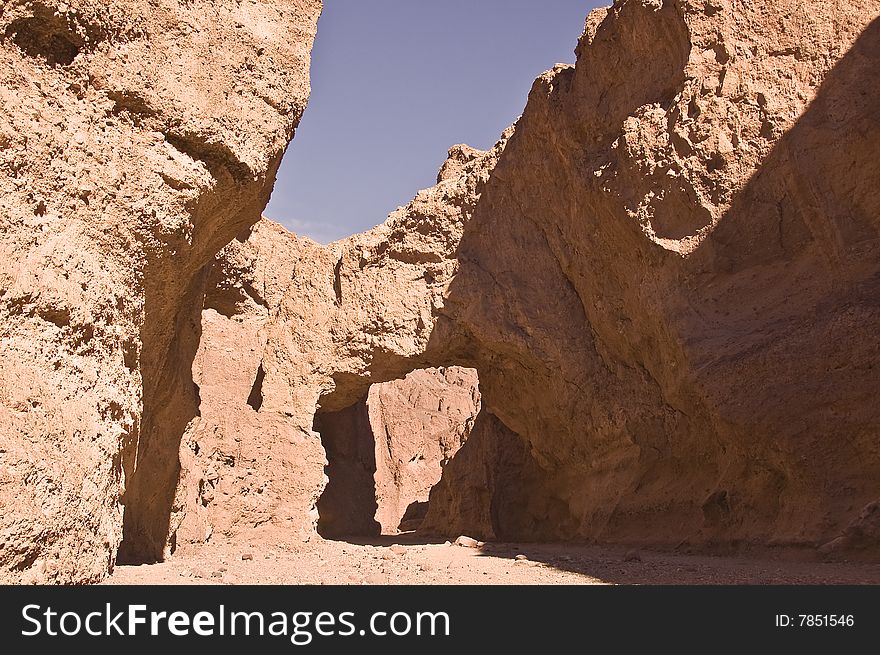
(241, 467)
(664, 278)
(326, 323)
(418, 424)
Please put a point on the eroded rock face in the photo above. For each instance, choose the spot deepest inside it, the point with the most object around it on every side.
(294, 336)
(124, 168)
(493, 488)
(666, 279)
(674, 304)
(250, 474)
(363, 310)
(247, 474)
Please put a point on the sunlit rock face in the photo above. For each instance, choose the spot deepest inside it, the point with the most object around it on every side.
(136, 139)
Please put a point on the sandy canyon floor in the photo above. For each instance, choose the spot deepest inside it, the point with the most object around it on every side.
(406, 560)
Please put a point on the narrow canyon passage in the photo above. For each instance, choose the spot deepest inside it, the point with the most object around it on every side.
(386, 452)
(348, 505)
(423, 455)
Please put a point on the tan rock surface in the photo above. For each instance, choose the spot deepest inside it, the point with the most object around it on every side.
(493, 487)
(124, 168)
(386, 452)
(241, 467)
(666, 278)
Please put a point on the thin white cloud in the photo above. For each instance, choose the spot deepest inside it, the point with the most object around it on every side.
(321, 232)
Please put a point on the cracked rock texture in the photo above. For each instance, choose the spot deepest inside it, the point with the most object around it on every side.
(666, 277)
(418, 424)
(385, 452)
(136, 139)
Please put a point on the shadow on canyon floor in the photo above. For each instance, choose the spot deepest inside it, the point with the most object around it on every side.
(387, 540)
(626, 565)
(779, 310)
(419, 563)
(622, 565)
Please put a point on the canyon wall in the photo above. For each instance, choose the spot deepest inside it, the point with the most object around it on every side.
(246, 473)
(666, 277)
(669, 283)
(136, 139)
(419, 424)
(295, 334)
(386, 452)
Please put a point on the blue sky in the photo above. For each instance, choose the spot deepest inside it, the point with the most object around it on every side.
(394, 84)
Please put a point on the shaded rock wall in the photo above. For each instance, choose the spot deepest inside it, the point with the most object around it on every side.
(666, 277)
(245, 471)
(252, 476)
(668, 281)
(347, 506)
(124, 168)
(493, 488)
